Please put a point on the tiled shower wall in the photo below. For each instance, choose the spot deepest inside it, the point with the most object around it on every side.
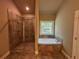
(29, 30)
(16, 29)
(15, 32)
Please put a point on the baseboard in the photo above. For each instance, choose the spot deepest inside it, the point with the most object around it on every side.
(5, 55)
(65, 54)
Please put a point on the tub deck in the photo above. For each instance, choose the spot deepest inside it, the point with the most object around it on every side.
(49, 45)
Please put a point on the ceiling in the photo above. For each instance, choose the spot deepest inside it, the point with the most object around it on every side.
(50, 6)
(46, 6)
(21, 5)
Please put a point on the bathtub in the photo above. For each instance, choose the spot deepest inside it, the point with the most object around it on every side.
(49, 41)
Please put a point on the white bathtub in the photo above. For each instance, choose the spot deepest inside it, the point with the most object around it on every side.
(48, 41)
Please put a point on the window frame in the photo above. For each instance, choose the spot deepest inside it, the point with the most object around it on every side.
(52, 27)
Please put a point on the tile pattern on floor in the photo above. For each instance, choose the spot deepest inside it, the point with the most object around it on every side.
(26, 51)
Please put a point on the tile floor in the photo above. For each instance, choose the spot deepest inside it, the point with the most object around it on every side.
(26, 51)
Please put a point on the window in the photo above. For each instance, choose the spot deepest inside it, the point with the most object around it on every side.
(46, 27)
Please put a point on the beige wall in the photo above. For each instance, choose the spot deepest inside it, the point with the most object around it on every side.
(4, 39)
(64, 23)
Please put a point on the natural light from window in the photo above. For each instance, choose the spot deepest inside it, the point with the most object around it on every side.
(46, 27)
